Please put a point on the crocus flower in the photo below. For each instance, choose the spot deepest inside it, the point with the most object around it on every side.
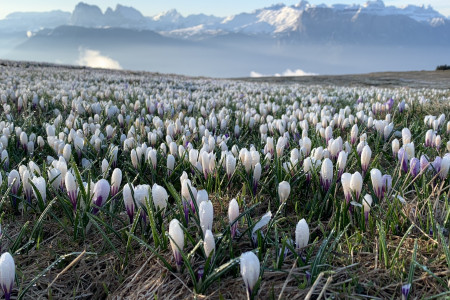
(354, 134)
(39, 183)
(177, 241)
(151, 157)
(405, 291)
(367, 203)
(366, 155)
(326, 174)
(250, 269)
(14, 181)
(27, 187)
(128, 201)
(414, 167)
(395, 147)
(387, 184)
(256, 177)
(284, 189)
(71, 188)
(230, 165)
(345, 180)
(341, 163)
(170, 164)
(233, 213)
(116, 180)
(208, 243)
(206, 215)
(377, 182)
(101, 193)
(301, 234)
(356, 184)
(7, 274)
(403, 159)
(160, 196)
(445, 166)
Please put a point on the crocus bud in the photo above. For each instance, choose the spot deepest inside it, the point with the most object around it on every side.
(177, 240)
(326, 174)
(301, 234)
(27, 187)
(67, 152)
(233, 213)
(101, 193)
(256, 176)
(206, 215)
(403, 159)
(134, 159)
(429, 137)
(341, 162)
(230, 165)
(284, 189)
(387, 184)
(405, 291)
(151, 157)
(23, 140)
(116, 180)
(414, 167)
(367, 203)
(366, 155)
(445, 166)
(14, 181)
(202, 195)
(39, 183)
(345, 180)
(354, 134)
(356, 184)
(160, 196)
(395, 147)
(7, 274)
(377, 182)
(128, 201)
(71, 188)
(170, 164)
(250, 269)
(208, 243)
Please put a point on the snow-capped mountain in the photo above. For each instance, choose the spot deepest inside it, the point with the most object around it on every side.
(273, 20)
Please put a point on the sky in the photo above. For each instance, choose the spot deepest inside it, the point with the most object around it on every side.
(215, 7)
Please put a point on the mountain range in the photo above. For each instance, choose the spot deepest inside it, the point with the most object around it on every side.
(289, 34)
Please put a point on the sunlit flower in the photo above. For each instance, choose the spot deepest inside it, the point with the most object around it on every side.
(250, 269)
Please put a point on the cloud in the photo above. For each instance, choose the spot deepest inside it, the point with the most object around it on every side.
(93, 59)
(288, 72)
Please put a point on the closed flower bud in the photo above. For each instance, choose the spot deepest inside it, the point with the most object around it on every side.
(41, 186)
(429, 137)
(366, 155)
(395, 147)
(116, 180)
(7, 274)
(445, 166)
(170, 164)
(414, 167)
(14, 181)
(345, 180)
(128, 201)
(230, 165)
(403, 159)
(250, 268)
(301, 234)
(176, 234)
(341, 162)
(206, 215)
(356, 184)
(101, 193)
(208, 243)
(152, 158)
(354, 134)
(256, 176)
(160, 196)
(367, 203)
(284, 189)
(377, 182)
(326, 174)
(72, 189)
(202, 195)
(233, 213)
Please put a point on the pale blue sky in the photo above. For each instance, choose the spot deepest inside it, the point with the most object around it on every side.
(216, 7)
